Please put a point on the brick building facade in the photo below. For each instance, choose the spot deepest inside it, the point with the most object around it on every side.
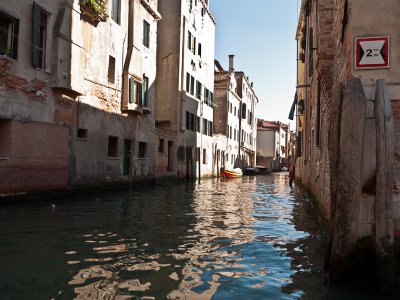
(77, 93)
(338, 134)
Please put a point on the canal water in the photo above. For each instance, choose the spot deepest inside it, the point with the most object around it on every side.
(243, 238)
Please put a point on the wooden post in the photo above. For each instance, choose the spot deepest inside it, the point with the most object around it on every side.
(346, 218)
(384, 187)
(333, 149)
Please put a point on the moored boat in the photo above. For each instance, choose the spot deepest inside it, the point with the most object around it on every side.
(263, 170)
(250, 171)
(237, 172)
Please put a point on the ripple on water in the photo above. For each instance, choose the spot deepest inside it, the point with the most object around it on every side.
(215, 240)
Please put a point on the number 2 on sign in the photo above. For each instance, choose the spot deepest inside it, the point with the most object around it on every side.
(369, 52)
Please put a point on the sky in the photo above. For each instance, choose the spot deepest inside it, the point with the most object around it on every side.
(261, 35)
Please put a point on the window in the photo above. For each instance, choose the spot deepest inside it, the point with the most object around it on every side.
(82, 133)
(206, 96)
(142, 150)
(111, 69)
(146, 34)
(135, 91)
(161, 145)
(191, 42)
(9, 28)
(244, 110)
(205, 126)
(204, 156)
(199, 89)
(192, 85)
(112, 146)
(145, 88)
(197, 123)
(39, 37)
(187, 82)
(199, 49)
(116, 11)
(138, 92)
(192, 122)
(198, 154)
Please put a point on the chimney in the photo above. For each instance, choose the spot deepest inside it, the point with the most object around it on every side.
(251, 84)
(231, 57)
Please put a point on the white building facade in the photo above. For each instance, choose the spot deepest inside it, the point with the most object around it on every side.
(185, 82)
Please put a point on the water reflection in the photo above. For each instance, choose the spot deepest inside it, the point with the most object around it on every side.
(227, 239)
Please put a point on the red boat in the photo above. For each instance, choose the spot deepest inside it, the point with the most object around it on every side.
(237, 172)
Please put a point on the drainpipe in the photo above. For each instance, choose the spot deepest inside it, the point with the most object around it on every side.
(125, 72)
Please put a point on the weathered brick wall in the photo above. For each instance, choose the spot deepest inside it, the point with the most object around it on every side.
(342, 41)
(396, 184)
(33, 90)
(37, 157)
(313, 166)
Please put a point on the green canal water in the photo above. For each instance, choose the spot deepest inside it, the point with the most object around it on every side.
(243, 238)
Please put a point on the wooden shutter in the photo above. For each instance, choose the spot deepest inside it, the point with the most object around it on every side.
(131, 90)
(188, 82)
(140, 94)
(36, 35)
(14, 53)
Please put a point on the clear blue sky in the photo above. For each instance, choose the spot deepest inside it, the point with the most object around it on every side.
(261, 35)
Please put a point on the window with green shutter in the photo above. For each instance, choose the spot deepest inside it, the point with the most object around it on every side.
(132, 90)
(145, 89)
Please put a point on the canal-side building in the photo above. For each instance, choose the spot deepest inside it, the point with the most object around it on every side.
(273, 144)
(77, 92)
(347, 124)
(185, 82)
(235, 107)
(248, 123)
(226, 115)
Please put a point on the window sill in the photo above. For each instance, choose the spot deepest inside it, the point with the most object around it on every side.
(112, 158)
(7, 57)
(43, 70)
(4, 158)
(132, 107)
(82, 139)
